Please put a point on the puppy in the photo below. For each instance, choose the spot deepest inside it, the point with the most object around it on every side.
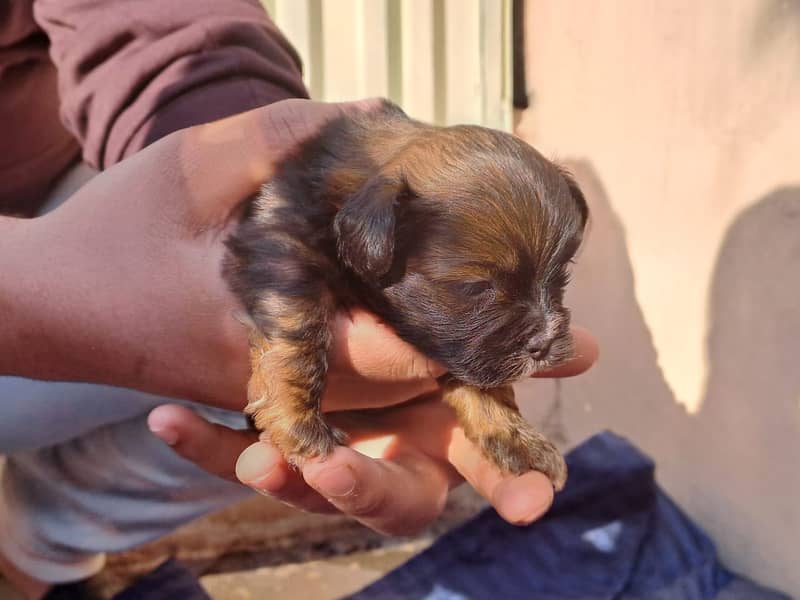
(460, 238)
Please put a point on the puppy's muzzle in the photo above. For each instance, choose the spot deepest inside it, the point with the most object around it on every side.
(538, 346)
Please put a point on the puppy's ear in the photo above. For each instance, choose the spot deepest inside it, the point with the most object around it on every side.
(365, 227)
(577, 195)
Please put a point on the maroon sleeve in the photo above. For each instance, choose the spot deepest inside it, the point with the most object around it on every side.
(131, 71)
(34, 146)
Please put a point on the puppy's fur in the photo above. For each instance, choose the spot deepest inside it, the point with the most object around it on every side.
(457, 237)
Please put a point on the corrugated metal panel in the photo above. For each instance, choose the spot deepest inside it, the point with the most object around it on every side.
(445, 61)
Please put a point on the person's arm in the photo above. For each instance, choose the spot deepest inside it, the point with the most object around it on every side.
(71, 286)
(132, 71)
(15, 353)
(90, 291)
(122, 284)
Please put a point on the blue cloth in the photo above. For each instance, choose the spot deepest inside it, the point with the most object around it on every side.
(611, 534)
(171, 581)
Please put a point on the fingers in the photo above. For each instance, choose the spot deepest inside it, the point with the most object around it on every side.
(364, 378)
(234, 455)
(359, 333)
(351, 392)
(397, 497)
(520, 500)
(262, 468)
(212, 447)
(584, 356)
(371, 367)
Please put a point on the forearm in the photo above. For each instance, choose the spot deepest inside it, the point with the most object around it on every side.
(24, 343)
(82, 301)
(46, 331)
(123, 285)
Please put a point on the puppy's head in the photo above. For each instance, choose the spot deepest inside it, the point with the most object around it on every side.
(466, 236)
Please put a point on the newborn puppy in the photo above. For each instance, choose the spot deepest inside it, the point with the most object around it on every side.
(460, 238)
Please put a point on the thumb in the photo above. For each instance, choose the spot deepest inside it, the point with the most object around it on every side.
(224, 162)
(371, 349)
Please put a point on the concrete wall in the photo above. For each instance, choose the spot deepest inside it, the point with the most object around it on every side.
(682, 122)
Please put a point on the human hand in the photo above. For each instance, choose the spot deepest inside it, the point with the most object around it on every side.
(127, 274)
(395, 477)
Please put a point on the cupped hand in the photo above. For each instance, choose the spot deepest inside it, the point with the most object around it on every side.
(135, 298)
(400, 465)
(131, 266)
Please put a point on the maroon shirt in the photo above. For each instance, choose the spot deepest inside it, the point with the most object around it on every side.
(105, 78)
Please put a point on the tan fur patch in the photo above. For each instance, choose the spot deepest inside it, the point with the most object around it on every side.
(491, 420)
(287, 380)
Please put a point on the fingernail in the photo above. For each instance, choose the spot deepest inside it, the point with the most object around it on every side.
(335, 482)
(167, 435)
(255, 464)
(524, 499)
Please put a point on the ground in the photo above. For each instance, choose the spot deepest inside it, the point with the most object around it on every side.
(263, 549)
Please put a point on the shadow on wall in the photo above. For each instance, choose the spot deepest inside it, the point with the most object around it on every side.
(733, 465)
(625, 391)
(774, 19)
(747, 433)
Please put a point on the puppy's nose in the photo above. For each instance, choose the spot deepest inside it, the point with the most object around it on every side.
(539, 346)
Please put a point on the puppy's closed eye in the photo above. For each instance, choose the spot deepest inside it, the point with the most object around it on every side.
(471, 288)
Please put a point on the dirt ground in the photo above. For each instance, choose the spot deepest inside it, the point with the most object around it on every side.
(263, 549)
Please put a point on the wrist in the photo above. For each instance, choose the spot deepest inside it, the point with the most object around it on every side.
(88, 293)
(20, 294)
(49, 297)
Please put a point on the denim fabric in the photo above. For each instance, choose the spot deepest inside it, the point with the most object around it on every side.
(170, 581)
(611, 534)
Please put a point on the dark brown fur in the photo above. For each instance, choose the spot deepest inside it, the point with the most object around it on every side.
(458, 237)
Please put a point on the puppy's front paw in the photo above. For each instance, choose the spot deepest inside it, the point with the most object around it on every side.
(284, 397)
(491, 420)
(304, 438)
(520, 449)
